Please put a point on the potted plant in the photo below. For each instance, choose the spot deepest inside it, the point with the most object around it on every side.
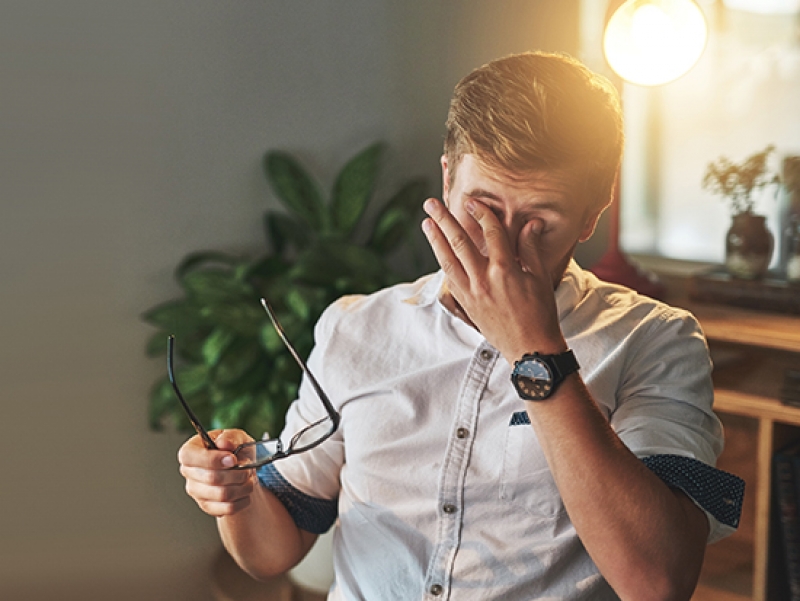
(748, 244)
(231, 365)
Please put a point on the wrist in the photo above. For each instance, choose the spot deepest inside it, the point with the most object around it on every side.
(536, 376)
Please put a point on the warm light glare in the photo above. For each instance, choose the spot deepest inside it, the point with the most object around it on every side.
(651, 42)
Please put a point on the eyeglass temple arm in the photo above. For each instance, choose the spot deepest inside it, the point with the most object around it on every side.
(335, 417)
(207, 441)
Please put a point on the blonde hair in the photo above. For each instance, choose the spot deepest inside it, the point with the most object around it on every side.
(538, 111)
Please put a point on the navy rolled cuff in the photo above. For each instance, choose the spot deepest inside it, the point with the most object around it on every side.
(719, 493)
(309, 513)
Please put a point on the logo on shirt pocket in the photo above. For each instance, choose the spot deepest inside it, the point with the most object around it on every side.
(525, 479)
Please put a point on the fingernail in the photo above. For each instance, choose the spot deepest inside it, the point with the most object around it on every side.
(427, 225)
(228, 461)
(430, 205)
(469, 205)
(536, 226)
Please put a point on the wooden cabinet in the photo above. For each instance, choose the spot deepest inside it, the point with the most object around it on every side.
(751, 352)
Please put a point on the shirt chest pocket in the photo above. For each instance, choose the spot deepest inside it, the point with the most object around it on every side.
(525, 479)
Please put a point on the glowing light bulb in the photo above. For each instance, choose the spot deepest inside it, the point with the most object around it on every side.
(652, 42)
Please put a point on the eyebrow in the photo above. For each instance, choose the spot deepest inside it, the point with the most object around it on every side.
(545, 205)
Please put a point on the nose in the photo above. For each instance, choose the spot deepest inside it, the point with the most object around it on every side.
(513, 224)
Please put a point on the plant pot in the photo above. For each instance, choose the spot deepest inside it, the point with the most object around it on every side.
(748, 247)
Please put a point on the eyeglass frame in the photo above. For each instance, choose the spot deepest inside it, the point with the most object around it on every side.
(209, 443)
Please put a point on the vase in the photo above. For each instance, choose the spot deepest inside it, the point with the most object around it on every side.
(791, 250)
(748, 247)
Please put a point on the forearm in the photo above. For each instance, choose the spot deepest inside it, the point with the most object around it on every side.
(646, 539)
(262, 538)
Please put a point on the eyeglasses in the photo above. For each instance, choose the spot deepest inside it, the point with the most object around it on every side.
(255, 454)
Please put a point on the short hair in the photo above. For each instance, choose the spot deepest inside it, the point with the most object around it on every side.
(533, 111)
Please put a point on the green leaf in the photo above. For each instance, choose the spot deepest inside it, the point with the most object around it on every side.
(317, 268)
(356, 261)
(410, 196)
(176, 317)
(157, 345)
(391, 228)
(268, 267)
(353, 188)
(295, 188)
(267, 416)
(195, 260)
(236, 361)
(284, 231)
(244, 318)
(215, 285)
(298, 304)
(231, 413)
(398, 217)
(270, 339)
(191, 379)
(216, 344)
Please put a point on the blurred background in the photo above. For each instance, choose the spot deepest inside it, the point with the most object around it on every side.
(132, 133)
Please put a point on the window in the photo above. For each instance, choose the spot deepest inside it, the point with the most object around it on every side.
(743, 94)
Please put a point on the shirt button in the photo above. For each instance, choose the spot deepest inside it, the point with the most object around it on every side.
(436, 589)
(462, 433)
(449, 508)
(486, 354)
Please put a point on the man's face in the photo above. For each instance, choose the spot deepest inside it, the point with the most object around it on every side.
(549, 196)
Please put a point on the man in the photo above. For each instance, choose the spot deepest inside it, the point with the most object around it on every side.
(586, 475)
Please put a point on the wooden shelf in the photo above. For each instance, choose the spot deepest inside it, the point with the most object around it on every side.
(744, 326)
(751, 351)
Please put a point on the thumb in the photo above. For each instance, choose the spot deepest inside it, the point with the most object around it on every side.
(528, 245)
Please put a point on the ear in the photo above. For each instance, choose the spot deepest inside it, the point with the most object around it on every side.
(590, 224)
(445, 179)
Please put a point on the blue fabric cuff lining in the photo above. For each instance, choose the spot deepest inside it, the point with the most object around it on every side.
(309, 513)
(719, 493)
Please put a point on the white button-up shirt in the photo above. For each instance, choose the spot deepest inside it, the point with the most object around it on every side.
(435, 478)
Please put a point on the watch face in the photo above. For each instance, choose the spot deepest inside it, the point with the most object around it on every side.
(533, 379)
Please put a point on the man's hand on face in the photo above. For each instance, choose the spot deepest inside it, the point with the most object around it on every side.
(511, 301)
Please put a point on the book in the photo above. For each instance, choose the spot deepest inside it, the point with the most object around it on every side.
(786, 465)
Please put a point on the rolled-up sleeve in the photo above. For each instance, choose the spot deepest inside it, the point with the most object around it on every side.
(664, 416)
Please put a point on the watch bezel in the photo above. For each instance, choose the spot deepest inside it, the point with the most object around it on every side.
(557, 368)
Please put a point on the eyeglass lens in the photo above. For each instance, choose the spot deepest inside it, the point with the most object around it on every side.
(260, 452)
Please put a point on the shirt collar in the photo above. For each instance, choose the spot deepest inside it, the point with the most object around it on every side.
(569, 292)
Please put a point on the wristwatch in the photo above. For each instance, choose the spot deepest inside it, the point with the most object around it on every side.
(537, 376)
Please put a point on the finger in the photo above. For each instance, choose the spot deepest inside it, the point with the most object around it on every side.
(219, 510)
(498, 246)
(229, 440)
(224, 477)
(454, 250)
(193, 453)
(528, 246)
(201, 492)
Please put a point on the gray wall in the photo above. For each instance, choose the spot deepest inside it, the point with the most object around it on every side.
(131, 133)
